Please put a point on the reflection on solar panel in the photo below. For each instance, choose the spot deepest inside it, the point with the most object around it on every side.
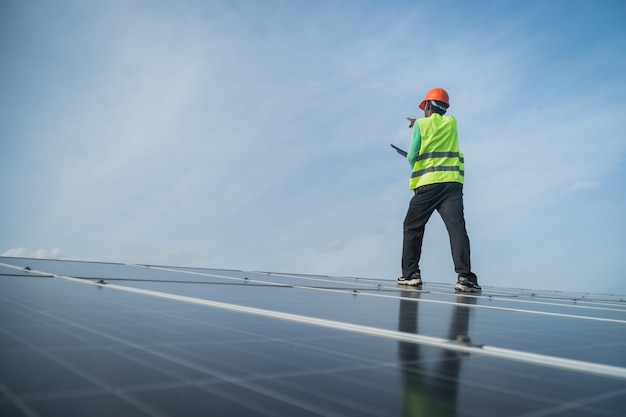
(102, 339)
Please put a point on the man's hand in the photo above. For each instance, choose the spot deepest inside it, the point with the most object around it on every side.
(411, 121)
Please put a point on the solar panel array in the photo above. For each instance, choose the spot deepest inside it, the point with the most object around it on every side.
(104, 339)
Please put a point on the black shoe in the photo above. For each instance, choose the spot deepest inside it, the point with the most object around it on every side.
(465, 285)
(413, 279)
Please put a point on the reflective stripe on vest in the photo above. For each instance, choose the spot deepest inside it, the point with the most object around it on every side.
(439, 159)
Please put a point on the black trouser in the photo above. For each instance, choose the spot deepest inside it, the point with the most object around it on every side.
(447, 199)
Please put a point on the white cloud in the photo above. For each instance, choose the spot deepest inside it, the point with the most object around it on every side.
(22, 252)
(583, 185)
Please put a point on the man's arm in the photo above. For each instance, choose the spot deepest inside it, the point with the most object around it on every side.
(416, 143)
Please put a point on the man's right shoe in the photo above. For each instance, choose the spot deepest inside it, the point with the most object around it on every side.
(413, 279)
(465, 285)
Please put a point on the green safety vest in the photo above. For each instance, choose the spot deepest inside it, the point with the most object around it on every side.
(439, 159)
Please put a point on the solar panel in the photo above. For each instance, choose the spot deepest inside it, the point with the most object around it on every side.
(88, 338)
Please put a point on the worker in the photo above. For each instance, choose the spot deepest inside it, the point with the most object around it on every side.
(437, 182)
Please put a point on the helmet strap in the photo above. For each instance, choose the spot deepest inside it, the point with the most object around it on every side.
(433, 103)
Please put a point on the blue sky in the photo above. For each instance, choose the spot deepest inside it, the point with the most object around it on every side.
(255, 134)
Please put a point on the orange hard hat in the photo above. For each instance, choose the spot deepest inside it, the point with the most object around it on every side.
(438, 94)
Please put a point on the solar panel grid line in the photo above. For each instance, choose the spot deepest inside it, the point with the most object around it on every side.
(495, 389)
(258, 282)
(620, 305)
(93, 392)
(216, 325)
(255, 335)
(377, 364)
(541, 397)
(148, 409)
(572, 405)
(367, 363)
(485, 307)
(380, 286)
(514, 292)
(202, 274)
(244, 279)
(598, 305)
(577, 301)
(475, 306)
(530, 301)
(93, 329)
(328, 278)
(572, 297)
(125, 392)
(18, 402)
(559, 295)
(224, 377)
(50, 352)
(576, 306)
(545, 360)
(493, 291)
(250, 383)
(266, 410)
(509, 309)
(333, 372)
(337, 399)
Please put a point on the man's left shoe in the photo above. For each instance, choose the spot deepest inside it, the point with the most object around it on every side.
(465, 285)
(413, 279)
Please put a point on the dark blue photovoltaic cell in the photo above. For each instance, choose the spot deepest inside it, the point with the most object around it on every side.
(71, 348)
